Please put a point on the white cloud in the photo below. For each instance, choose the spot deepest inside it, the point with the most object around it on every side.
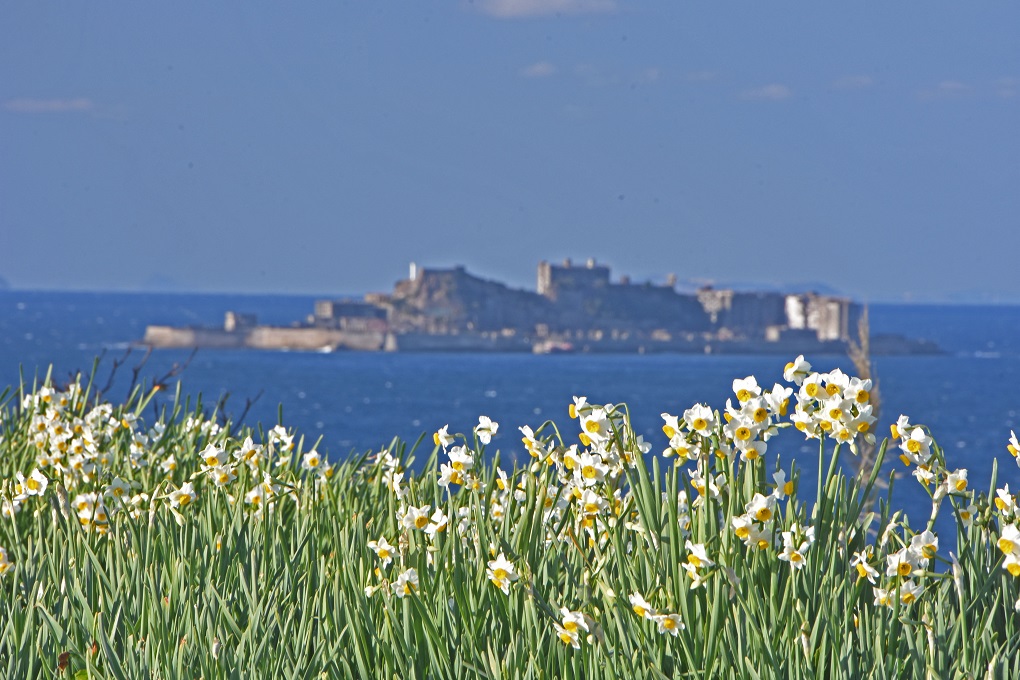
(700, 76)
(517, 9)
(947, 89)
(29, 105)
(540, 69)
(771, 92)
(853, 82)
(952, 87)
(1007, 88)
(648, 75)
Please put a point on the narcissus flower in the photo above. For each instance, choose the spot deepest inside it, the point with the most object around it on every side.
(311, 460)
(746, 389)
(437, 523)
(213, 456)
(797, 370)
(416, 518)
(567, 637)
(1009, 540)
(573, 621)
(669, 623)
(183, 496)
(383, 550)
(860, 561)
(700, 418)
(5, 562)
(406, 583)
(502, 573)
(442, 437)
(640, 606)
(485, 429)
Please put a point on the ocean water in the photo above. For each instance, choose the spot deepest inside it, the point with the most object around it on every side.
(970, 397)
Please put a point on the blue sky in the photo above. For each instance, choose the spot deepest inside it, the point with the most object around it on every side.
(321, 147)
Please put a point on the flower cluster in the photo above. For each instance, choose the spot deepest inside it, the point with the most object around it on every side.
(103, 462)
(664, 623)
(725, 503)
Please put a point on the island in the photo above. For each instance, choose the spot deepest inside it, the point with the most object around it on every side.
(575, 308)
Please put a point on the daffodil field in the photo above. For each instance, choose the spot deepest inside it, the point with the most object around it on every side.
(143, 541)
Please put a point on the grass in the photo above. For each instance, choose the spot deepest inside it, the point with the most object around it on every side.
(597, 557)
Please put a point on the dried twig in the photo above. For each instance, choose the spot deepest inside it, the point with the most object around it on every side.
(860, 354)
(248, 403)
(176, 369)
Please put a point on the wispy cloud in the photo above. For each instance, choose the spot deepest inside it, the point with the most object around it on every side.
(858, 82)
(648, 75)
(519, 9)
(29, 105)
(771, 92)
(947, 89)
(1007, 88)
(540, 69)
(700, 76)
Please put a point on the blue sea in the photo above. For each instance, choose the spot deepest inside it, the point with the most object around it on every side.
(353, 402)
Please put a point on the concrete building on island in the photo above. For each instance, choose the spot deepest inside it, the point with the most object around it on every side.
(575, 307)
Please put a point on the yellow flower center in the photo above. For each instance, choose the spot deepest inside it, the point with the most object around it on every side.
(760, 414)
(421, 521)
(913, 445)
(669, 431)
(832, 389)
(743, 433)
(904, 569)
(862, 397)
(592, 426)
(700, 424)
(572, 411)
(763, 515)
(743, 395)
(811, 389)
